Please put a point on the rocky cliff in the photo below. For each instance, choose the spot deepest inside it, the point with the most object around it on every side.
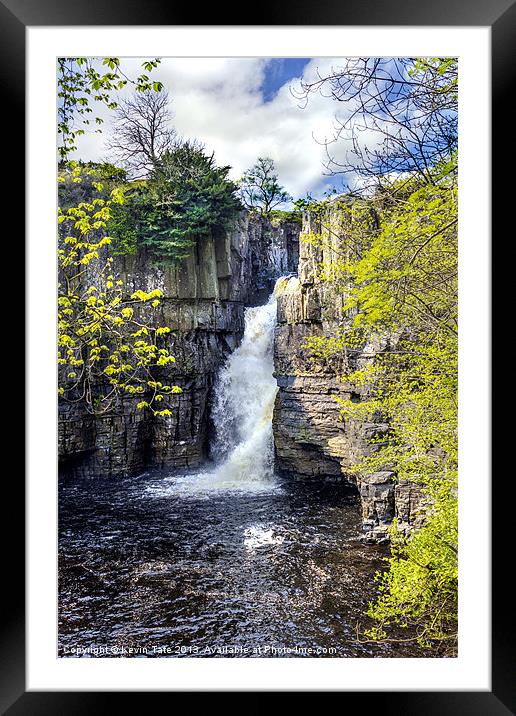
(311, 440)
(203, 303)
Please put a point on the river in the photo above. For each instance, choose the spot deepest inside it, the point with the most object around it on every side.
(230, 561)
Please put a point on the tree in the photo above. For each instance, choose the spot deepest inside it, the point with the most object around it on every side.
(108, 347)
(79, 81)
(79, 181)
(400, 117)
(260, 189)
(399, 274)
(186, 196)
(141, 133)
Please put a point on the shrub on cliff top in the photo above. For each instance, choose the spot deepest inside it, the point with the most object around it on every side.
(186, 196)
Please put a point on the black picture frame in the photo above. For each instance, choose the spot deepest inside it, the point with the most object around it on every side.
(500, 16)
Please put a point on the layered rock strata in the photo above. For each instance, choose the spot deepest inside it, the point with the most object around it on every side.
(312, 441)
(203, 303)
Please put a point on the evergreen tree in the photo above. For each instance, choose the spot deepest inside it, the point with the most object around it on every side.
(260, 189)
(186, 196)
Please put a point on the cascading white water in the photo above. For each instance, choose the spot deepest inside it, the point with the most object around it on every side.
(244, 400)
(244, 396)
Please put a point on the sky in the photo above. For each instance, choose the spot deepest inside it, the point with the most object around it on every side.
(243, 108)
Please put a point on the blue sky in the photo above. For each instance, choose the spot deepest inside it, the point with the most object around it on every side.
(243, 108)
(279, 71)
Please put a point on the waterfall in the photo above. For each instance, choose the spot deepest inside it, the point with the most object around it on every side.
(244, 400)
(244, 394)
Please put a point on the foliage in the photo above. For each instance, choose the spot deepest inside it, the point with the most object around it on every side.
(81, 80)
(186, 196)
(408, 274)
(419, 591)
(123, 223)
(397, 267)
(108, 346)
(280, 216)
(415, 387)
(82, 181)
(260, 189)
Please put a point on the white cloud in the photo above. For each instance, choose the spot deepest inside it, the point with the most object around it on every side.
(219, 102)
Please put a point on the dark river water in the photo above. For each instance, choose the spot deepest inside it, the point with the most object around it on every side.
(150, 567)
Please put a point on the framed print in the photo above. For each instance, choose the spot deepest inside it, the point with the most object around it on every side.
(261, 461)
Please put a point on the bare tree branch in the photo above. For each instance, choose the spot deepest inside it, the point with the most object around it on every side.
(398, 116)
(141, 132)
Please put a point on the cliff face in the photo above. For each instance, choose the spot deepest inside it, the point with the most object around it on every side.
(273, 251)
(203, 303)
(312, 442)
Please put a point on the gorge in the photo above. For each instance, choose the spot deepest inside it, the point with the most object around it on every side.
(205, 299)
(234, 520)
(258, 377)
